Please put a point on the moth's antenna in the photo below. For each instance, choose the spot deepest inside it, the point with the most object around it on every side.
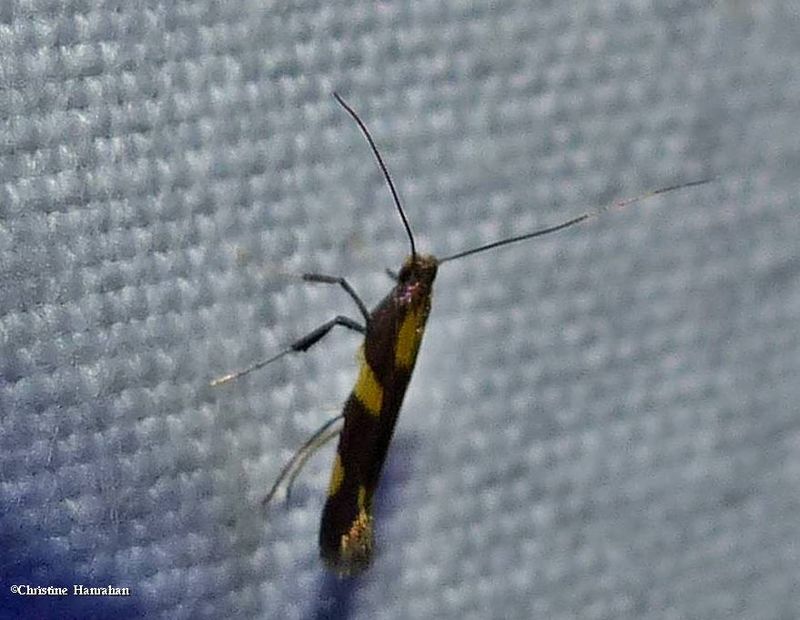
(385, 170)
(573, 221)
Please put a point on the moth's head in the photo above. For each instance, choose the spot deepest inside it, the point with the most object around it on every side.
(418, 269)
(415, 280)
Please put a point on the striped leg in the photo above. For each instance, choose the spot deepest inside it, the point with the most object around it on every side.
(300, 345)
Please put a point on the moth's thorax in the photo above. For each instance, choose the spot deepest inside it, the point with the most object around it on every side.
(415, 280)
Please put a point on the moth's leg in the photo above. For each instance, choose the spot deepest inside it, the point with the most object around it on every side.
(392, 274)
(311, 451)
(302, 344)
(295, 464)
(317, 277)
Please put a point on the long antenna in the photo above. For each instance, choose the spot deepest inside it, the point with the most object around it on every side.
(385, 170)
(573, 221)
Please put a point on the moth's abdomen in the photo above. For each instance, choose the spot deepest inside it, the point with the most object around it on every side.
(346, 533)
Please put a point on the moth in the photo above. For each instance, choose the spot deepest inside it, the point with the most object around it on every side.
(392, 334)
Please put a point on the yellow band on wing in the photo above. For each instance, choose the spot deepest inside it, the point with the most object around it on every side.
(337, 476)
(409, 338)
(368, 391)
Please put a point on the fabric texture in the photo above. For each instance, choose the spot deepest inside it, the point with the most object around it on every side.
(603, 423)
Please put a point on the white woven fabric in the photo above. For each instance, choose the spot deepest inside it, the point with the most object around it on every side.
(603, 423)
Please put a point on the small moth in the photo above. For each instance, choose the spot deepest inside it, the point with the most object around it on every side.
(392, 333)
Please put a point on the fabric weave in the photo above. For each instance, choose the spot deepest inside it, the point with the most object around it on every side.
(602, 423)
